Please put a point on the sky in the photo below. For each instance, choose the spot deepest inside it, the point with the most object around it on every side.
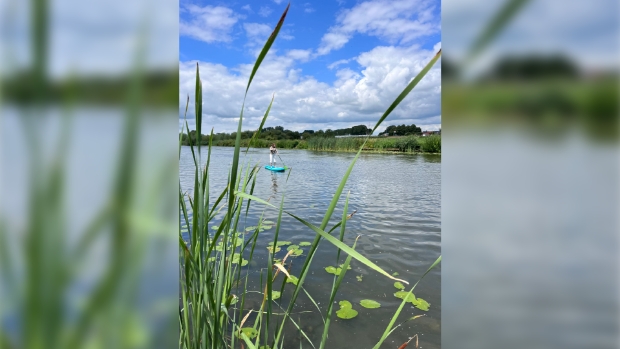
(335, 63)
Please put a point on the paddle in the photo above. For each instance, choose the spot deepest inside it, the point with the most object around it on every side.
(285, 167)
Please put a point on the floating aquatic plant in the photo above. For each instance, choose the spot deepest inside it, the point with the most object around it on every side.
(399, 285)
(409, 297)
(346, 310)
(292, 279)
(421, 304)
(369, 303)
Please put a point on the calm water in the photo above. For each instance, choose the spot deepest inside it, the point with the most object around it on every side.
(397, 198)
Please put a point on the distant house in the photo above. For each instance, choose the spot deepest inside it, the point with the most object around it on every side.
(428, 133)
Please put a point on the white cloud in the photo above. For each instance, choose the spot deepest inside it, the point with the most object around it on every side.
(399, 21)
(301, 55)
(208, 23)
(278, 1)
(265, 11)
(338, 62)
(257, 33)
(301, 102)
(586, 31)
(246, 8)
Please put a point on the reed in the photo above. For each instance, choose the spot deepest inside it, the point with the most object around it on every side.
(214, 284)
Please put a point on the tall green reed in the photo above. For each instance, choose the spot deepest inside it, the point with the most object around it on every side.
(212, 283)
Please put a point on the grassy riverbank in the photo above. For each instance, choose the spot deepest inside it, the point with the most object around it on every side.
(404, 144)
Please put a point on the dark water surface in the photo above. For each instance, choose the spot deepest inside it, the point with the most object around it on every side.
(397, 198)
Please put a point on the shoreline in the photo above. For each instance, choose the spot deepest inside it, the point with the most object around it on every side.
(367, 151)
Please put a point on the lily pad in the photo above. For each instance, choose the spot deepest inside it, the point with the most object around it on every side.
(359, 278)
(297, 252)
(244, 262)
(292, 247)
(250, 332)
(348, 267)
(211, 259)
(266, 227)
(215, 227)
(271, 249)
(346, 313)
(395, 273)
(268, 222)
(345, 304)
(250, 228)
(305, 243)
(292, 279)
(369, 303)
(405, 295)
(421, 304)
(333, 270)
(399, 285)
(275, 295)
(280, 243)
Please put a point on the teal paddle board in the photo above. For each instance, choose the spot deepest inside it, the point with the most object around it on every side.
(274, 169)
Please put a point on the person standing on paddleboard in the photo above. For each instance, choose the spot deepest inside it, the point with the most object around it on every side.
(272, 154)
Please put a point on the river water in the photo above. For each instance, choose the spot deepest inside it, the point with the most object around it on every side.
(398, 218)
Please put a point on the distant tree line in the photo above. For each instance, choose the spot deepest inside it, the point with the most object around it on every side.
(402, 130)
(279, 133)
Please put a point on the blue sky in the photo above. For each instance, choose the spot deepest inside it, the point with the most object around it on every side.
(335, 64)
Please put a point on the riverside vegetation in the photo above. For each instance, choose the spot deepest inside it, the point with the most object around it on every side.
(406, 144)
(213, 281)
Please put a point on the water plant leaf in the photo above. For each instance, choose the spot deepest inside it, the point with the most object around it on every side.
(271, 249)
(250, 332)
(280, 243)
(292, 279)
(346, 313)
(409, 297)
(250, 228)
(215, 227)
(399, 285)
(333, 270)
(345, 304)
(298, 252)
(275, 295)
(305, 243)
(421, 304)
(359, 278)
(269, 222)
(244, 262)
(292, 247)
(348, 266)
(369, 303)
(395, 273)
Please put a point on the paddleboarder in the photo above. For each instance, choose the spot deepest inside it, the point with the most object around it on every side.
(272, 152)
